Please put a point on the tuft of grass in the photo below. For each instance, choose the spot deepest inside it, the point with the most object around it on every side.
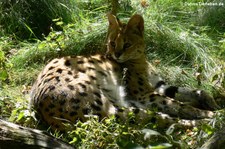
(32, 19)
(213, 16)
(179, 45)
(73, 40)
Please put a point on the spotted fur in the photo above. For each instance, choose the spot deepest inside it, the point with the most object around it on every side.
(72, 88)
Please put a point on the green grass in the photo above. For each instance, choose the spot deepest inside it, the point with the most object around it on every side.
(34, 19)
(181, 45)
(207, 17)
(180, 41)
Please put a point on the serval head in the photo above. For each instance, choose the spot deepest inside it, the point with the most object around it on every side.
(126, 41)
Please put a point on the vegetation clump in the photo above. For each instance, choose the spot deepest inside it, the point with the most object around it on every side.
(186, 43)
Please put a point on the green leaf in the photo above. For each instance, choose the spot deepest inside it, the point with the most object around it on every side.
(3, 75)
(2, 56)
(13, 115)
(161, 146)
(20, 116)
(59, 23)
(208, 129)
(74, 140)
(41, 45)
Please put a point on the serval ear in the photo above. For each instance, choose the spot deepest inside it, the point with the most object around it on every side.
(114, 22)
(136, 23)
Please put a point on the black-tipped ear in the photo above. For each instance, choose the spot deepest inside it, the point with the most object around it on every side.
(113, 21)
(136, 22)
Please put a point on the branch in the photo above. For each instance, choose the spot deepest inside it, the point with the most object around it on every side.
(15, 136)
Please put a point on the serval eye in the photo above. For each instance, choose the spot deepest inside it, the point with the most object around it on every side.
(113, 44)
(126, 45)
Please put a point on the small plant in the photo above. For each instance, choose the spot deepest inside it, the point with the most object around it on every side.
(5, 66)
(3, 71)
(109, 133)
